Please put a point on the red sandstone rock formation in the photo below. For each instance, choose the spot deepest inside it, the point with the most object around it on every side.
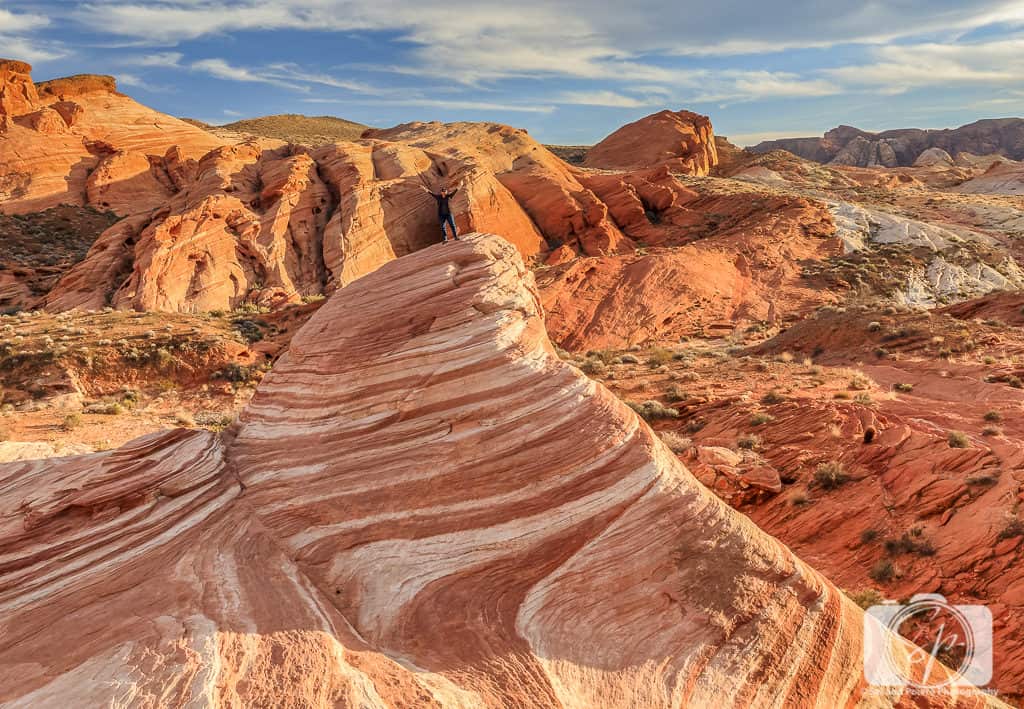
(392, 522)
(271, 225)
(746, 269)
(682, 140)
(77, 141)
(17, 92)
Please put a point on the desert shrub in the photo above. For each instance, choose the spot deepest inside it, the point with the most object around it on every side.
(864, 399)
(71, 422)
(761, 418)
(1015, 382)
(676, 442)
(250, 330)
(629, 359)
(982, 480)
(772, 397)
(651, 410)
(800, 499)
(749, 442)
(184, 418)
(958, 439)
(865, 598)
(859, 382)
(659, 356)
(991, 431)
(910, 543)
(233, 372)
(1014, 528)
(993, 416)
(674, 393)
(594, 368)
(785, 357)
(215, 421)
(882, 571)
(904, 387)
(830, 475)
(606, 356)
(217, 313)
(868, 536)
(162, 357)
(874, 326)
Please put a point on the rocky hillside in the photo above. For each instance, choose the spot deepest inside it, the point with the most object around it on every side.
(290, 128)
(392, 564)
(847, 145)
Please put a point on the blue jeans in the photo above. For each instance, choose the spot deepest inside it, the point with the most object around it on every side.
(446, 221)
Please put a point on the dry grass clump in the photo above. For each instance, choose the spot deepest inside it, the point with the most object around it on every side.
(830, 475)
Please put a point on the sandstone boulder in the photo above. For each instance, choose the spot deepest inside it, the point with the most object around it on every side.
(682, 140)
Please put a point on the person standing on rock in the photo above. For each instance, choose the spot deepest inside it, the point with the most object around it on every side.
(444, 212)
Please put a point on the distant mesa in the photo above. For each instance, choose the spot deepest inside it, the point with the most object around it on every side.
(846, 145)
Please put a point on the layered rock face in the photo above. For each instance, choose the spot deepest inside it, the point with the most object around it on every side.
(392, 522)
(77, 141)
(747, 268)
(273, 224)
(682, 140)
(847, 145)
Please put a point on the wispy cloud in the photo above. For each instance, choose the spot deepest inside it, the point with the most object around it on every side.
(900, 68)
(220, 69)
(602, 98)
(11, 23)
(440, 103)
(32, 50)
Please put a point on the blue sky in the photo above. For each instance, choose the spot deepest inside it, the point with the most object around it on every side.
(569, 71)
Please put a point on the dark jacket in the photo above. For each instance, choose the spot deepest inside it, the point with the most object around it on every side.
(443, 208)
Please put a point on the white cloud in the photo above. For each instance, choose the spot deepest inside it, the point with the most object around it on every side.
(441, 103)
(601, 98)
(22, 22)
(900, 68)
(31, 50)
(160, 59)
(728, 27)
(220, 69)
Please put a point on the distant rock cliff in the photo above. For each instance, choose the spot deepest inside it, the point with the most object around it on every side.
(847, 145)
